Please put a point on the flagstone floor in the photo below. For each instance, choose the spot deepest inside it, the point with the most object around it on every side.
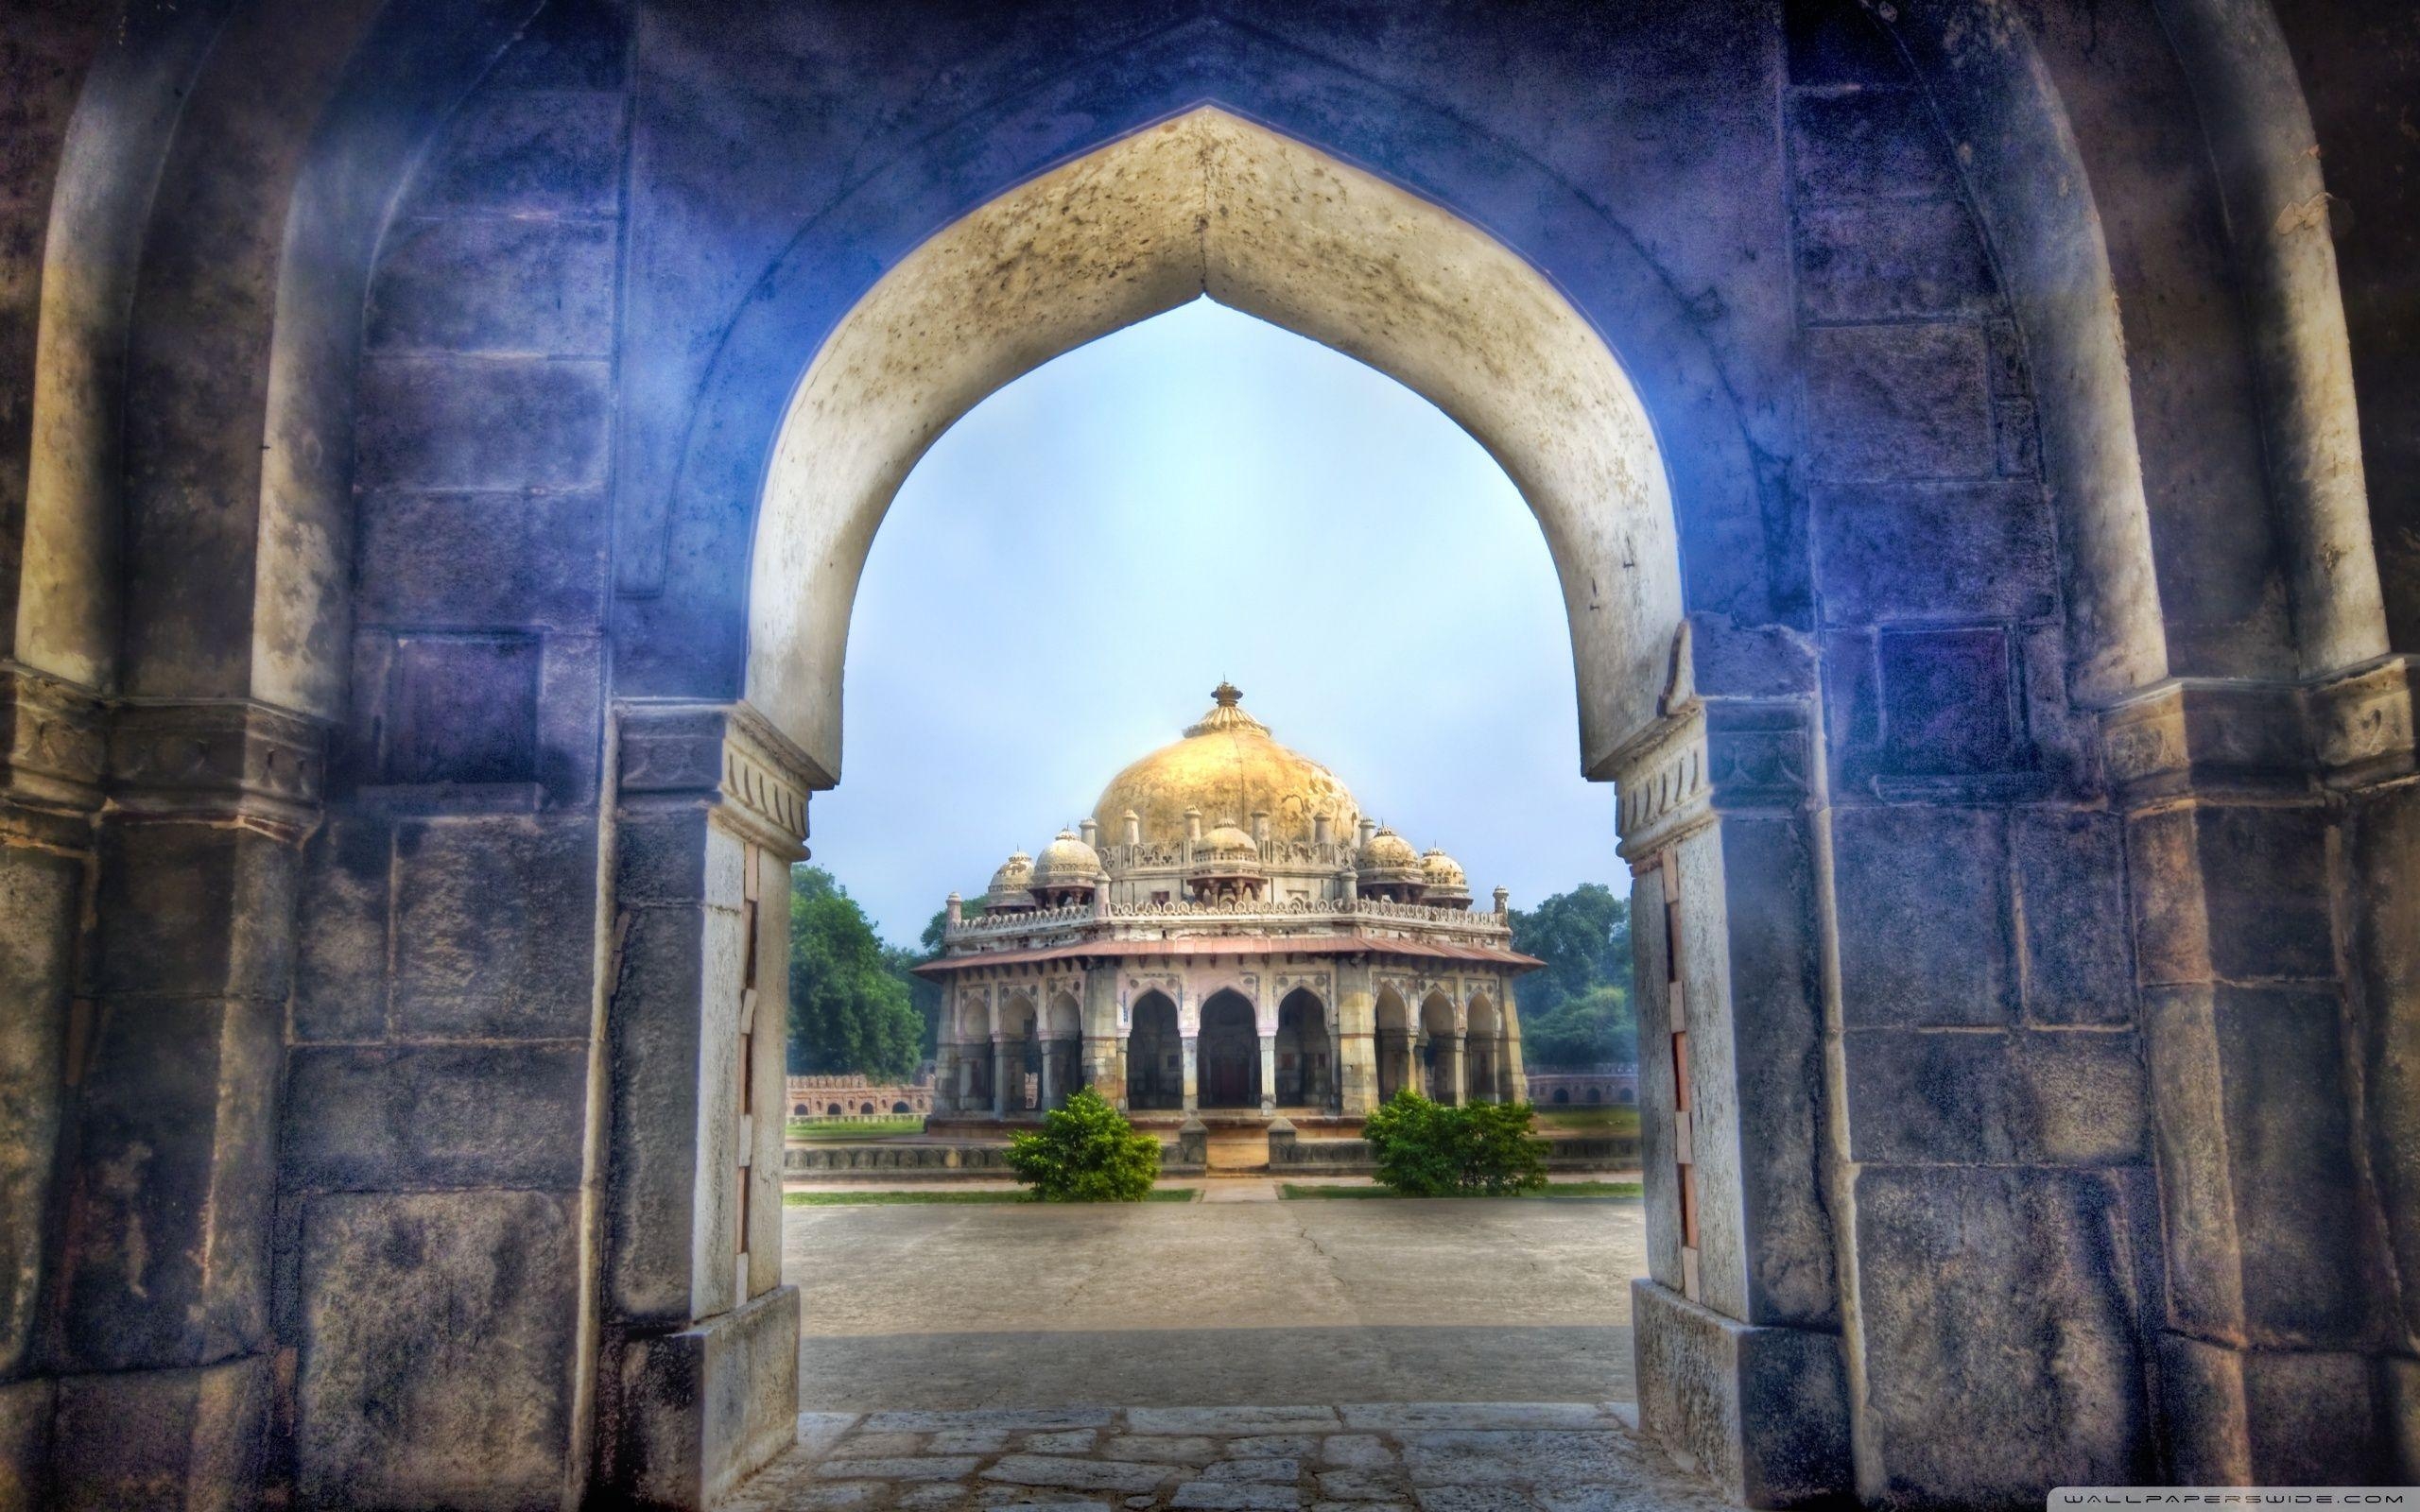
(1433, 1457)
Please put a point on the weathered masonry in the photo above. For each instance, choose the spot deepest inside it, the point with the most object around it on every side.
(439, 439)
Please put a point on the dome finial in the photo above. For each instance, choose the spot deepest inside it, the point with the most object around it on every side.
(1227, 694)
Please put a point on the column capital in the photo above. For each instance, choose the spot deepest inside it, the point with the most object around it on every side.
(218, 760)
(2223, 736)
(53, 755)
(726, 756)
(1713, 755)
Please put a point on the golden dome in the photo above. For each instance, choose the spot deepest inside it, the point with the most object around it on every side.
(1226, 764)
(1442, 868)
(1066, 862)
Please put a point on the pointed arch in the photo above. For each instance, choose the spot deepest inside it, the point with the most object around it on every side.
(1292, 236)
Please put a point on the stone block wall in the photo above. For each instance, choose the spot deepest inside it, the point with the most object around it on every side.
(2042, 1068)
(444, 1062)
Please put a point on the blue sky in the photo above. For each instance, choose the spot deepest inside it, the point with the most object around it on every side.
(1076, 563)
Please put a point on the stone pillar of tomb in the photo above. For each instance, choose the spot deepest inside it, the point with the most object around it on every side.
(1051, 1050)
(1005, 1067)
(157, 1153)
(1455, 1091)
(1102, 1050)
(945, 1077)
(1192, 1082)
(1516, 1078)
(1268, 1075)
(1357, 1049)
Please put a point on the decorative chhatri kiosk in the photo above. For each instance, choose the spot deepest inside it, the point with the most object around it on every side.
(1226, 933)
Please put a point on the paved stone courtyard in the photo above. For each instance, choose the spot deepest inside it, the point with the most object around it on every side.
(1169, 1305)
(1437, 1456)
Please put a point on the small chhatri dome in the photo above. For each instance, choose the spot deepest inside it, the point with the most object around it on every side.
(1229, 840)
(1386, 851)
(1066, 862)
(1226, 764)
(1448, 887)
(1010, 885)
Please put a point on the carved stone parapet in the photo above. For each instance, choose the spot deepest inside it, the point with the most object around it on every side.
(725, 755)
(56, 751)
(224, 760)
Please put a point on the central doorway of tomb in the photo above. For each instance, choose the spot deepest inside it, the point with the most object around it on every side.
(1230, 1051)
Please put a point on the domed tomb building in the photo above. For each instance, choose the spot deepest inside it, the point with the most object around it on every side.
(1226, 932)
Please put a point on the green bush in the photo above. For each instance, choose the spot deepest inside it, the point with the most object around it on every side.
(1086, 1152)
(1425, 1149)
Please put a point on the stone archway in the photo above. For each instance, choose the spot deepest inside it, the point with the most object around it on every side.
(446, 837)
(1209, 203)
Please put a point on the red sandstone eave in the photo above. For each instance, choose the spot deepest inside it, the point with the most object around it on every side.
(1239, 945)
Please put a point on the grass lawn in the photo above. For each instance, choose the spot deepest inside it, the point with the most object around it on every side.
(888, 1199)
(1609, 1119)
(867, 1128)
(1560, 1189)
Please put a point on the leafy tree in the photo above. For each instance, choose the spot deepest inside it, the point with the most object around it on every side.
(1595, 1028)
(1426, 1149)
(851, 1011)
(1576, 1010)
(1085, 1152)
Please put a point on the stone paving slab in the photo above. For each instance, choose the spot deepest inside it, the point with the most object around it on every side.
(1434, 1456)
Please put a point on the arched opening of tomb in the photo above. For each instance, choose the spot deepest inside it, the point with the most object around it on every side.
(1305, 1055)
(1018, 1054)
(1395, 1042)
(1484, 1053)
(1440, 1048)
(1062, 1050)
(1229, 1053)
(1155, 1055)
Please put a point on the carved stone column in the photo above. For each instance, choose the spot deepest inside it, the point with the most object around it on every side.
(1007, 1073)
(52, 757)
(698, 1369)
(1051, 1051)
(161, 1334)
(1103, 1051)
(2259, 819)
(1456, 1094)
(1356, 1052)
(1740, 1357)
(1192, 1085)
(1267, 1075)
(945, 1078)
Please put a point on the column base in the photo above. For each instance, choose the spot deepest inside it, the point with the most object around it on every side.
(2259, 1416)
(703, 1407)
(24, 1443)
(141, 1438)
(1761, 1411)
